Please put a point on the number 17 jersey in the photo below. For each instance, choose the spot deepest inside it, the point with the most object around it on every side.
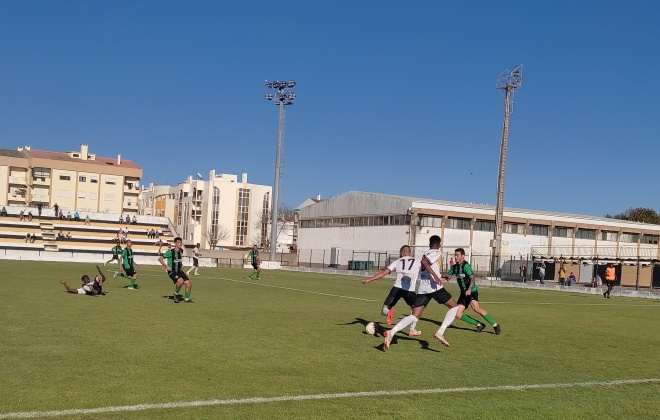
(407, 271)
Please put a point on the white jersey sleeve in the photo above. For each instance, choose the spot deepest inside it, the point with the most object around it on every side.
(407, 272)
(426, 283)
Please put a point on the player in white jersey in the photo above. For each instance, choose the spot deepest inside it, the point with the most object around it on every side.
(89, 287)
(407, 270)
(430, 287)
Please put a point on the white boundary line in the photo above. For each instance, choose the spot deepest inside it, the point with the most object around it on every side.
(287, 398)
(657, 305)
(285, 288)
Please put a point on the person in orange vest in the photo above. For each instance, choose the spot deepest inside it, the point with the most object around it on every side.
(610, 276)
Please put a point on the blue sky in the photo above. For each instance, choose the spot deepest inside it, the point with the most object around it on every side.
(393, 97)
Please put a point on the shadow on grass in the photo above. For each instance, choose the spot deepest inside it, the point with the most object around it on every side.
(380, 333)
(135, 286)
(171, 297)
(454, 327)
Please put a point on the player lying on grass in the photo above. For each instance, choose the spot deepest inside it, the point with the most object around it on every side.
(89, 287)
(469, 292)
(407, 270)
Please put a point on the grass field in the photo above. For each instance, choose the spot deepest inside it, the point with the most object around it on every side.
(242, 344)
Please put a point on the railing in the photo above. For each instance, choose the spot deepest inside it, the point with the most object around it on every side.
(21, 180)
(645, 251)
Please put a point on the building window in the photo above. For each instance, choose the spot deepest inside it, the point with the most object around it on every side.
(631, 238)
(109, 197)
(82, 179)
(650, 239)
(430, 221)
(64, 193)
(81, 194)
(484, 226)
(65, 178)
(562, 232)
(585, 234)
(243, 213)
(608, 236)
(94, 180)
(513, 228)
(41, 173)
(463, 224)
(539, 230)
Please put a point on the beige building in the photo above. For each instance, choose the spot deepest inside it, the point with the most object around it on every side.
(75, 181)
(222, 211)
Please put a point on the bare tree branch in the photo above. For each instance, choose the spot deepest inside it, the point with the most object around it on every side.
(213, 236)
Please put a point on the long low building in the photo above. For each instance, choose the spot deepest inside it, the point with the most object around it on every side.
(363, 222)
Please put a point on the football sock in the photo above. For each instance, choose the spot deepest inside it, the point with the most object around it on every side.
(121, 273)
(413, 326)
(469, 319)
(490, 319)
(176, 290)
(410, 319)
(449, 318)
(132, 283)
(252, 274)
(187, 295)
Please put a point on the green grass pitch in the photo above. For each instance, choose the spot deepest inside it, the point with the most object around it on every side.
(291, 334)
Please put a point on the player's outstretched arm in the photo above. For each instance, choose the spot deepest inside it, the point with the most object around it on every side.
(380, 275)
(68, 289)
(101, 276)
(161, 260)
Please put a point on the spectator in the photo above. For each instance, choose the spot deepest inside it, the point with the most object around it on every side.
(3, 212)
(523, 272)
(134, 219)
(57, 209)
(542, 272)
(562, 275)
(571, 279)
(87, 220)
(29, 216)
(27, 238)
(21, 215)
(157, 233)
(39, 208)
(121, 219)
(128, 219)
(76, 216)
(68, 215)
(596, 281)
(125, 233)
(33, 238)
(61, 214)
(60, 235)
(129, 202)
(68, 235)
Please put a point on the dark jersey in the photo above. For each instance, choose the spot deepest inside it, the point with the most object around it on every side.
(464, 274)
(127, 258)
(254, 257)
(116, 251)
(173, 259)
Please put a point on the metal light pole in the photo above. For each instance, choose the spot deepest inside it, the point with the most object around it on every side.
(283, 96)
(508, 81)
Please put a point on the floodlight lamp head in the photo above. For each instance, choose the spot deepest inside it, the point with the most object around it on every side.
(269, 97)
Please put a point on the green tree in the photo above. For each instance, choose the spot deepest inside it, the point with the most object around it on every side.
(638, 214)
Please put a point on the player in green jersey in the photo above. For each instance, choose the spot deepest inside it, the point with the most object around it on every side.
(116, 252)
(127, 264)
(469, 292)
(253, 256)
(172, 260)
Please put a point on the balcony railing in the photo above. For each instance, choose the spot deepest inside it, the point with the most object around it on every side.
(19, 180)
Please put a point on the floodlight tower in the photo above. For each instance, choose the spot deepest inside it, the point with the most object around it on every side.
(284, 96)
(508, 81)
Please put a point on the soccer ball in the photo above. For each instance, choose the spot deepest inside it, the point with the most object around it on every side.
(370, 328)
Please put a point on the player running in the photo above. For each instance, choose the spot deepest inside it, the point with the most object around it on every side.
(116, 252)
(469, 293)
(196, 256)
(253, 256)
(430, 287)
(175, 270)
(407, 270)
(127, 264)
(89, 287)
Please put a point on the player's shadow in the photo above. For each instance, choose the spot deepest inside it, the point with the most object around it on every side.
(454, 327)
(380, 333)
(135, 286)
(171, 297)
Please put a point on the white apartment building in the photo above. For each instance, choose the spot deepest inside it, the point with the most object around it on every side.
(75, 181)
(222, 211)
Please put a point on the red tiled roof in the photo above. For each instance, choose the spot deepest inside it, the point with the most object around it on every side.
(44, 154)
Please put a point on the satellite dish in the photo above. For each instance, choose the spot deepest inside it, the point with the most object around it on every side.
(199, 176)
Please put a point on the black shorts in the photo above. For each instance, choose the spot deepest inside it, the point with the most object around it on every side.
(609, 282)
(255, 266)
(97, 288)
(175, 276)
(115, 257)
(195, 262)
(441, 296)
(130, 272)
(465, 300)
(397, 293)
